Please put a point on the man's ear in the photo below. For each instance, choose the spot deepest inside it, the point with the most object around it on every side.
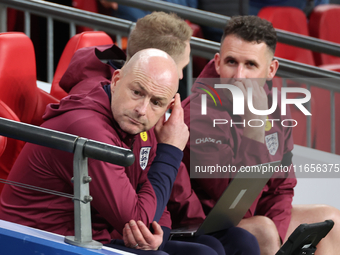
(217, 59)
(115, 78)
(171, 104)
(274, 65)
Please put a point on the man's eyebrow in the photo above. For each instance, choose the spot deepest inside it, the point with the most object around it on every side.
(253, 61)
(162, 99)
(248, 60)
(154, 97)
(140, 86)
(227, 58)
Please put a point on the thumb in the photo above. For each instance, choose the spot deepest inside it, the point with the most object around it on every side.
(157, 228)
(177, 113)
(177, 107)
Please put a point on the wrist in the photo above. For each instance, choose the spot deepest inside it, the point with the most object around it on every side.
(254, 133)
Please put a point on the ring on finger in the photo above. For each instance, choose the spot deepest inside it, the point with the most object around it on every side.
(135, 245)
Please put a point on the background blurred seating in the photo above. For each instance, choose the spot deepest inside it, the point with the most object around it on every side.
(18, 78)
(304, 5)
(323, 25)
(293, 20)
(226, 8)
(21, 99)
(85, 39)
(9, 148)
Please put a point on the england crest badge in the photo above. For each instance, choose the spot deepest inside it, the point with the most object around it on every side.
(144, 157)
(272, 142)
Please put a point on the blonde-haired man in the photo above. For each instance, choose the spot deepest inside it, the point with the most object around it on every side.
(163, 31)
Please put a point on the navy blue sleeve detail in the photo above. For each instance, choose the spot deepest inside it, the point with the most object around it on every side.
(166, 235)
(107, 89)
(162, 174)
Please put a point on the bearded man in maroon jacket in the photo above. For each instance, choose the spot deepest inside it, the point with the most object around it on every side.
(246, 60)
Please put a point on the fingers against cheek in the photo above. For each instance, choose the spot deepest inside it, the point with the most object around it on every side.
(177, 114)
(176, 105)
(241, 86)
(177, 98)
(172, 102)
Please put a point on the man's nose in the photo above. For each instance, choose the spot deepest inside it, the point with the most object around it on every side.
(239, 72)
(142, 106)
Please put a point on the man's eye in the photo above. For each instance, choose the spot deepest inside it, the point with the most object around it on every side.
(136, 92)
(156, 102)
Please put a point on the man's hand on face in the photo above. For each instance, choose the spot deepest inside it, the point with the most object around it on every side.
(260, 102)
(173, 131)
(134, 234)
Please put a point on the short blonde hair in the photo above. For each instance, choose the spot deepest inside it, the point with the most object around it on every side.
(159, 30)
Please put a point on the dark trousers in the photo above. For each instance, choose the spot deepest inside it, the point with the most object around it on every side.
(235, 241)
(238, 241)
(202, 245)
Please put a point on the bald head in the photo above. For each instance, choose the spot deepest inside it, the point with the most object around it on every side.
(143, 90)
(156, 64)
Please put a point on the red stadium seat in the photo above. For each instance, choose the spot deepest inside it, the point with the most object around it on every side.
(196, 29)
(198, 63)
(21, 99)
(323, 25)
(85, 39)
(3, 142)
(320, 119)
(323, 139)
(293, 20)
(91, 6)
(299, 131)
(86, 5)
(18, 87)
(14, 20)
(9, 148)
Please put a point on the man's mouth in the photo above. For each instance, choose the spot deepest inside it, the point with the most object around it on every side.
(136, 122)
